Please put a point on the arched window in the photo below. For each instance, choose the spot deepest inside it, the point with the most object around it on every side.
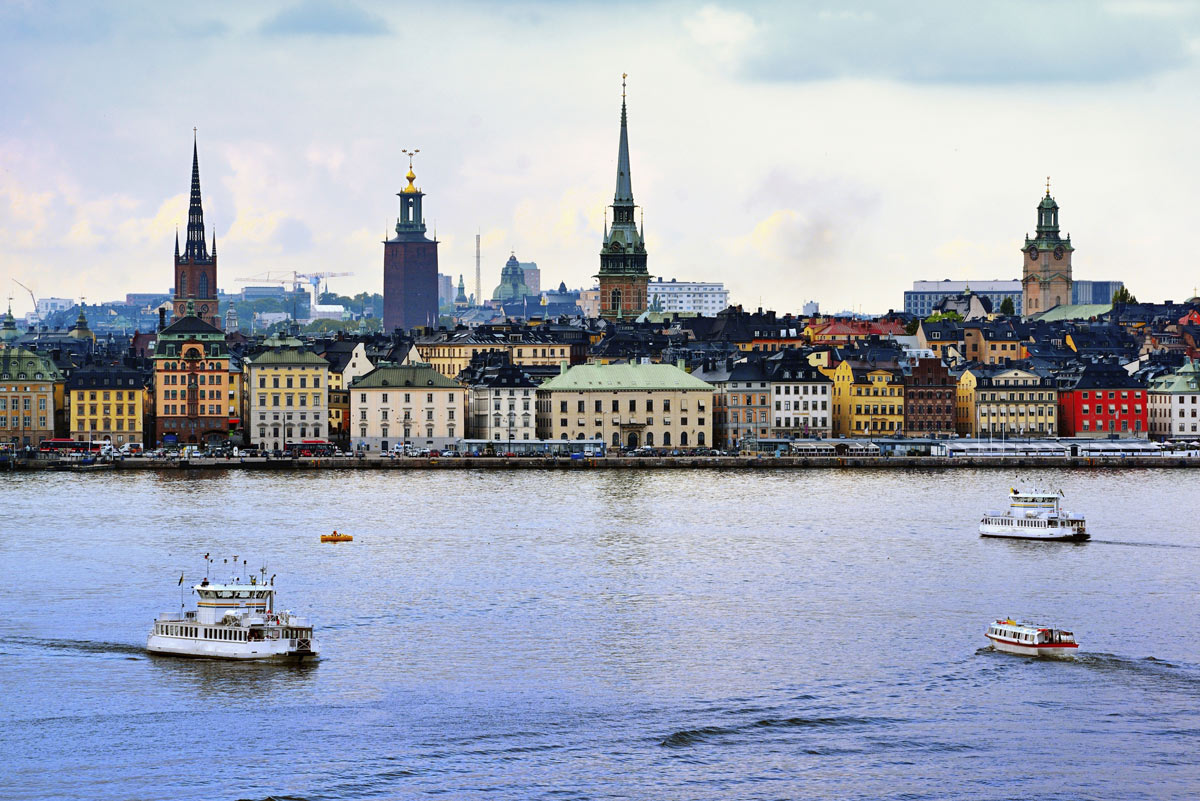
(667, 439)
(683, 439)
(616, 440)
(649, 439)
(203, 282)
(615, 299)
(700, 439)
(182, 293)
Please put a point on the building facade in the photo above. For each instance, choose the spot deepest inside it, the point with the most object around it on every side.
(412, 406)
(1098, 293)
(28, 384)
(687, 297)
(868, 400)
(1174, 401)
(623, 276)
(802, 398)
(451, 352)
(627, 406)
(1046, 277)
(288, 390)
(196, 268)
(410, 265)
(195, 395)
(930, 392)
(108, 403)
(926, 295)
(503, 405)
(1101, 400)
(994, 401)
(742, 412)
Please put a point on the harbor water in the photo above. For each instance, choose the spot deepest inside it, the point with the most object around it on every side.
(603, 635)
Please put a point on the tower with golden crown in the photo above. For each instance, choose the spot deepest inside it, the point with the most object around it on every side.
(410, 264)
(623, 277)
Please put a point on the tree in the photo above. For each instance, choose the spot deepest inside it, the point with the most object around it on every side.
(951, 316)
(1007, 308)
(1123, 295)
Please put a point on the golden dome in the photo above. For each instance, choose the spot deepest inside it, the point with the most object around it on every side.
(411, 189)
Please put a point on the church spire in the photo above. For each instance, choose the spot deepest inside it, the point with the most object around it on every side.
(196, 248)
(624, 193)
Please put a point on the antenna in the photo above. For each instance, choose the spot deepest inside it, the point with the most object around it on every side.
(478, 281)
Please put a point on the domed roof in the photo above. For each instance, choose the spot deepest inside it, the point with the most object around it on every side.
(1048, 202)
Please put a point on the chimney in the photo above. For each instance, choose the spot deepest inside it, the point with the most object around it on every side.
(162, 318)
(562, 367)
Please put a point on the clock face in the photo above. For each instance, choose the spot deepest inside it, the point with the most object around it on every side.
(1058, 252)
(204, 308)
(1033, 252)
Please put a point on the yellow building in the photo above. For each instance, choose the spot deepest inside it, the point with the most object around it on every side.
(868, 400)
(29, 384)
(108, 403)
(197, 398)
(288, 390)
(1005, 401)
(450, 352)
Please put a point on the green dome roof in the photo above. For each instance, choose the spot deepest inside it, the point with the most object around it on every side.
(1048, 202)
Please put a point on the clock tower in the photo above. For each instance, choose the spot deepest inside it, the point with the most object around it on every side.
(196, 268)
(1046, 278)
(623, 276)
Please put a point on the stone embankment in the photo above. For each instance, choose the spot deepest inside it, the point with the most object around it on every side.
(621, 463)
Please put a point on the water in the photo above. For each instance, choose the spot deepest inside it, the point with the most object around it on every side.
(604, 635)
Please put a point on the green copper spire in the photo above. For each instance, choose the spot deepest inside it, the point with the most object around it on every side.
(624, 193)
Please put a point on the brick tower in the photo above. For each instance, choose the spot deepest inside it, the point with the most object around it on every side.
(623, 277)
(410, 265)
(196, 269)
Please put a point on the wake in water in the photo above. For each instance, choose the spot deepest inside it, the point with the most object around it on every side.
(687, 737)
(76, 646)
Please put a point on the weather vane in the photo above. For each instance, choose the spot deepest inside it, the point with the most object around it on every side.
(1047, 185)
(410, 154)
(624, 75)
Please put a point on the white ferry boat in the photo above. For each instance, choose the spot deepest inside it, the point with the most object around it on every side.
(234, 621)
(1030, 640)
(1034, 516)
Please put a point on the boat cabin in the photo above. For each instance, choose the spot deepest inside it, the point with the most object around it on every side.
(218, 600)
(1022, 634)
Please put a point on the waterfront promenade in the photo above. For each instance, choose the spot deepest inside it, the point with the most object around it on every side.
(376, 462)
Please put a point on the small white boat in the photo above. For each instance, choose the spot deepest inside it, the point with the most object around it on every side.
(234, 621)
(1034, 516)
(1026, 639)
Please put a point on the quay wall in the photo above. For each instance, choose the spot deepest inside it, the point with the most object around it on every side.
(627, 463)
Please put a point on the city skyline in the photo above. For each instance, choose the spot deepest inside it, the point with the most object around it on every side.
(784, 168)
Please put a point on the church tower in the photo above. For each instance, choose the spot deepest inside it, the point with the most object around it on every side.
(1046, 279)
(196, 269)
(623, 276)
(410, 264)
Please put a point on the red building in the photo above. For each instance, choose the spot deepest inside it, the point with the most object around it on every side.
(1096, 400)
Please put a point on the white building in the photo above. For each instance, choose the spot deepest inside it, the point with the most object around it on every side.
(413, 405)
(288, 395)
(503, 405)
(1174, 403)
(687, 297)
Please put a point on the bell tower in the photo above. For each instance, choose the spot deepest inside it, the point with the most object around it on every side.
(623, 276)
(410, 263)
(196, 268)
(1046, 277)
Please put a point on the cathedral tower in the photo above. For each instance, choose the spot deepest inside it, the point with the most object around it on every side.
(410, 264)
(196, 268)
(1046, 279)
(623, 276)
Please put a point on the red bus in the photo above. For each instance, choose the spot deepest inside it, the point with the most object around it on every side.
(69, 446)
(310, 447)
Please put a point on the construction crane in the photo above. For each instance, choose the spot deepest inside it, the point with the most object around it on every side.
(31, 297)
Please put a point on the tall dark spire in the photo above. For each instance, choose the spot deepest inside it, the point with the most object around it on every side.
(624, 193)
(196, 248)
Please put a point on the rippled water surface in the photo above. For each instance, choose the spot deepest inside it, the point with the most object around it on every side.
(642, 635)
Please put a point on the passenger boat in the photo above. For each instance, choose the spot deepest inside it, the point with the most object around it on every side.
(1034, 516)
(235, 621)
(1027, 639)
(336, 537)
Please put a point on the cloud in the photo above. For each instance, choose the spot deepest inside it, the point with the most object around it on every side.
(321, 18)
(1023, 41)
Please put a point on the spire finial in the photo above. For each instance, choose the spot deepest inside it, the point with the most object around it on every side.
(1047, 186)
(411, 176)
(624, 75)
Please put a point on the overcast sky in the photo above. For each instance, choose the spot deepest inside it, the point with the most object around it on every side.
(805, 150)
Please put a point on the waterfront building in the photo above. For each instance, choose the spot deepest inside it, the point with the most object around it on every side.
(410, 265)
(1174, 401)
(923, 298)
(627, 406)
(30, 385)
(195, 394)
(412, 405)
(801, 395)
(688, 297)
(868, 399)
(1005, 401)
(288, 390)
(502, 401)
(1098, 400)
(623, 276)
(742, 412)
(1046, 276)
(451, 352)
(108, 403)
(930, 393)
(196, 268)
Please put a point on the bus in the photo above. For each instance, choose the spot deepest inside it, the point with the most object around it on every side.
(309, 447)
(69, 446)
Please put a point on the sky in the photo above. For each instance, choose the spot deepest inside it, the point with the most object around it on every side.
(834, 151)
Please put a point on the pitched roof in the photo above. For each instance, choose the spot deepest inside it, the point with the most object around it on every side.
(421, 375)
(625, 377)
